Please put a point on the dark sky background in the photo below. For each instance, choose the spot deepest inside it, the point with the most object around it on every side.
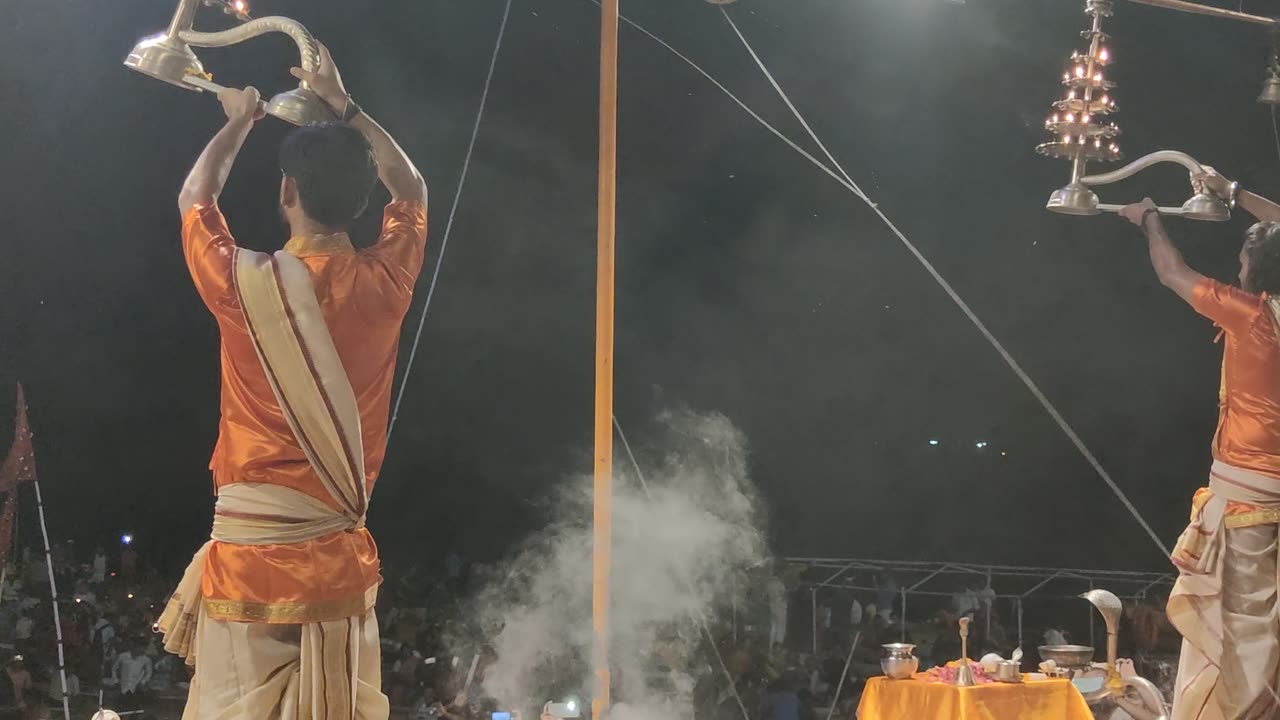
(749, 283)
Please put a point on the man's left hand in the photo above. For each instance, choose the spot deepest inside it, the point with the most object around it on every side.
(1214, 182)
(326, 81)
(241, 105)
(1136, 212)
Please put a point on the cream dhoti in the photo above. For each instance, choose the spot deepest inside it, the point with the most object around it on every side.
(315, 671)
(1224, 602)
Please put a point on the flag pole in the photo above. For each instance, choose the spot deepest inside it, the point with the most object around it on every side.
(602, 515)
(53, 593)
(19, 467)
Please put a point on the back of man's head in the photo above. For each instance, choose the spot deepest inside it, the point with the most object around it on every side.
(1262, 252)
(333, 168)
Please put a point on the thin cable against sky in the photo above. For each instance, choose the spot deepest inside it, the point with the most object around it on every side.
(448, 228)
(843, 179)
(960, 303)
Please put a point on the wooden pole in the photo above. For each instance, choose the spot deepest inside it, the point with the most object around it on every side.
(602, 516)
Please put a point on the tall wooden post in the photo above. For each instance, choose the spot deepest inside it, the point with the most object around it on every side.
(606, 222)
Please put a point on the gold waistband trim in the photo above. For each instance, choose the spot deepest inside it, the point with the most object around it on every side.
(290, 613)
(1255, 517)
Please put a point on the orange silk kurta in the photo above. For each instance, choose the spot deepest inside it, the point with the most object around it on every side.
(1248, 435)
(363, 297)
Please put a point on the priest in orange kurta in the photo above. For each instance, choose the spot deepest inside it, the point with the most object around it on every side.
(275, 612)
(363, 296)
(1225, 600)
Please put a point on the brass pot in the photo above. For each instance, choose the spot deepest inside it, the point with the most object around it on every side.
(899, 661)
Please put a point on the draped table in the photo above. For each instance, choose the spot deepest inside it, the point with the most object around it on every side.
(917, 699)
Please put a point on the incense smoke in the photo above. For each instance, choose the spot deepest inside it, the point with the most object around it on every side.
(675, 556)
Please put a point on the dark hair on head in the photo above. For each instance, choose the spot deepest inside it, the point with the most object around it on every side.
(332, 164)
(1262, 248)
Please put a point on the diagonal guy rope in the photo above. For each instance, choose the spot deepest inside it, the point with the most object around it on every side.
(843, 179)
(448, 228)
(960, 303)
(1013, 365)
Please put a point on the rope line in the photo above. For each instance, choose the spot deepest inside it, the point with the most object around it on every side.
(1275, 130)
(843, 179)
(448, 228)
(1022, 375)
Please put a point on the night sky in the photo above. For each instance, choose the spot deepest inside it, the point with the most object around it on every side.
(749, 282)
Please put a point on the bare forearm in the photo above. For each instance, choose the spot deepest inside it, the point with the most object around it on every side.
(396, 171)
(1167, 259)
(209, 175)
(1258, 206)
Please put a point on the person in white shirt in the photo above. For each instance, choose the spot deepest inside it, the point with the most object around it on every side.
(55, 687)
(1053, 636)
(965, 602)
(24, 627)
(99, 566)
(132, 670)
(22, 631)
(104, 638)
(777, 613)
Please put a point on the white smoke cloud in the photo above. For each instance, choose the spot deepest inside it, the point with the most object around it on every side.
(676, 553)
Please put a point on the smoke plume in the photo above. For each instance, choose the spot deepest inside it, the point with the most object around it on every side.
(676, 553)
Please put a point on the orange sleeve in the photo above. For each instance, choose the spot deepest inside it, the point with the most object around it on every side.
(1233, 309)
(397, 256)
(210, 251)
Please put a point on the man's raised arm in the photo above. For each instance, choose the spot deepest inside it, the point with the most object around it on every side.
(1173, 271)
(1252, 203)
(395, 169)
(208, 176)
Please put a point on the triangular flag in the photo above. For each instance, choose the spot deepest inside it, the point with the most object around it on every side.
(20, 466)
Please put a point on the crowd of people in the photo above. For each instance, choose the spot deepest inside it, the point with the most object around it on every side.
(772, 672)
(110, 602)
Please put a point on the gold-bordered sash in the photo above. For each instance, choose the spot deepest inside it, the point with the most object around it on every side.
(304, 371)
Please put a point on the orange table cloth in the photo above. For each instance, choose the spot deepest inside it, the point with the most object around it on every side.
(885, 699)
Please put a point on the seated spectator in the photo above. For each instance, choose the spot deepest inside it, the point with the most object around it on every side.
(22, 631)
(20, 679)
(132, 670)
(99, 566)
(947, 646)
(402, 684)
(104, 638)
(782, 699)
(55, 686)
(1054, 636)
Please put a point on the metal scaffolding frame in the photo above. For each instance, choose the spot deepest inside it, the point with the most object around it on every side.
(840, 573)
